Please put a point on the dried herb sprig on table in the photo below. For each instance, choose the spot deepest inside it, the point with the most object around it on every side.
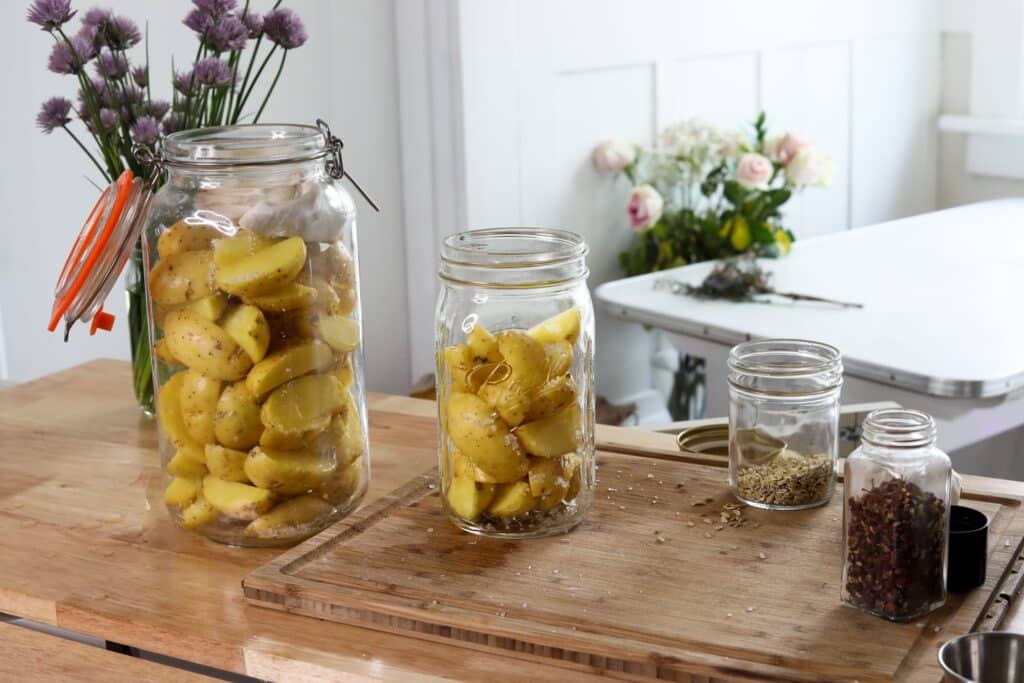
(740, 279)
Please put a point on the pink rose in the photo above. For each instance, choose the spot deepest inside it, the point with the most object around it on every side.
(754, 171)
(810, 166)
(644, 207)
(611, 156)
(783, 149)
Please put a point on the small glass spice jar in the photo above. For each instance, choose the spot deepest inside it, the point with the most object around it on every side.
(896, 517)
(783, 422)
(515, 355)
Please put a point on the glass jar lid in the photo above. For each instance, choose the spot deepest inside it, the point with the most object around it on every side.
(785, 367)
(899, 428)
(514, 257)
(258, 144)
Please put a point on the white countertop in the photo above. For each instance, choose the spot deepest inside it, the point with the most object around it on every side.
(943, 297)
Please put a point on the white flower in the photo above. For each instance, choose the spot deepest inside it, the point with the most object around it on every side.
(754, 171)
(810, 166)
(782, 149)
(611, 156)
(644, 207)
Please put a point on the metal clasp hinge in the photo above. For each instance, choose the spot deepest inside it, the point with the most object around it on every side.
(335, 164)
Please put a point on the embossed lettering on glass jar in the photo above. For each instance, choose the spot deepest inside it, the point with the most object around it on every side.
(515, 353)
(250, 250)
(784, 422)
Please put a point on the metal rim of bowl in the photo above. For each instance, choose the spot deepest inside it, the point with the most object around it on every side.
(976, 635)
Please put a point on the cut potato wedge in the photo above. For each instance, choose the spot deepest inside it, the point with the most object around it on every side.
(230, 250)
(198, 514)
(204, 346)
(525, 356)
(562, 327)
(236, 500)
(182, 237)
(469, 498)
(283, 519)
(168, 410)
(210, 307)
(185, 465)
(553, 435)
(341, 333)
(237, 423)
(248, 327)
(162, 351)
(226, 463)
(457, 362)
(483, 345)
(303, 404)
(287, 364)
(288, 472)
(182, 491)
(484, 437)
(512, 500)
(288, 298)
(182, 278)
(199, 395)
(264, 271)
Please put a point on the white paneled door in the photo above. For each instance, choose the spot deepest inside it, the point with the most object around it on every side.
(537, 83)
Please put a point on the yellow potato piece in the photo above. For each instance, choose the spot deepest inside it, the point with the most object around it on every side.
(559, 358)
(226, 463)
(184, 464)
(468, 499)
(210, 307)
(512, 500)
(573, 471)
(275, 440)
(283, 519)
(248, 327)
(236, 500)
(483, 345)
(163, 353)
(198, 396)
(288, 472)
(562, 327)
(204, 346)
(346, 433)
(462, 466)
(551, 398)
(302, 404)
(484, 437)
(553, 435)
(182, 237)
(182, 491)
(291, 296)
(232, 249)
(457, 361)
(525, 356)
(341, 333)
(269, 269)
(181, 278)
(236, 423)
(198, 514)
(344, 372)
(282, 366)
(546, 477)
(344, 484)
(168, 410)
(335, 265)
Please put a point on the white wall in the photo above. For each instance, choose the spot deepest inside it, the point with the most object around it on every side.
(540, 82)
(346, 73)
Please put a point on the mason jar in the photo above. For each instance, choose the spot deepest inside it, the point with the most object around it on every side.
(515, 396)
(896, 517)
(253, 293)
(783, 422)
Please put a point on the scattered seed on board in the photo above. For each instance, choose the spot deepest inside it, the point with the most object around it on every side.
(762, 556)
(708, 534)
(659, 539)
(691, 523)
(430, 529)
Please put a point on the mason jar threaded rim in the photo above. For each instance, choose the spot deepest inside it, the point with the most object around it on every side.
(790, 367)
(256, 144)
(514, 257)
(900, 428)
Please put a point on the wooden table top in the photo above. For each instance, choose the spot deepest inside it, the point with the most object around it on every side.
(86, 544)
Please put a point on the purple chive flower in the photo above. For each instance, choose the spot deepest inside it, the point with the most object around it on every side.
(54, 114)
(50, 14)
(109, 119)
(132, 95)
(213, 72)
(173, 123)
(215, 8)
(111, 64)
(186, 83)
(156, 108)
(97, 16)
(146, 130)
(253, 23)
(227, 34)
(140, 75)
(63, 59)
(199, 21)
(122, 33)
(283, 27)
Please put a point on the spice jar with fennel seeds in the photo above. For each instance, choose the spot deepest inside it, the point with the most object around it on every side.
(896, 517)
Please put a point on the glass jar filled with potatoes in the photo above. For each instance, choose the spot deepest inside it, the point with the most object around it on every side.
(515, 352)
(253, 289)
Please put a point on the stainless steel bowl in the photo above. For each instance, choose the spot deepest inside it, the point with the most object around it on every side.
(987, 657)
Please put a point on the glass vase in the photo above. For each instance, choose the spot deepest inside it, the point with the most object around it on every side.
(138, 331)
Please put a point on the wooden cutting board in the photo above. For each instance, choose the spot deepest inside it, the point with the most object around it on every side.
(652, 584)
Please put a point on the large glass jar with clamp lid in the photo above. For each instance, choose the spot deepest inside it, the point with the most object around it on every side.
(515, 354)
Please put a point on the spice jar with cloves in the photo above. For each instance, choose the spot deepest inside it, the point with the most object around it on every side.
(896, 517)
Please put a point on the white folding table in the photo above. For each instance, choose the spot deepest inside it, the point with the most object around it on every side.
(941, 328)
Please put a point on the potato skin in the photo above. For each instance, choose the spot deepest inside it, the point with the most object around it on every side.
(182, 237)
(181, 278)
(204, 346)
(168, 411)
(264, 271)
(303, 404)
(484, 438)
(237, 423)
(198, 396)
(282, 366)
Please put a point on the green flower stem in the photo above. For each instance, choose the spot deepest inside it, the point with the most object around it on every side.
(270, 90)
(256, 78)
(96, 163)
